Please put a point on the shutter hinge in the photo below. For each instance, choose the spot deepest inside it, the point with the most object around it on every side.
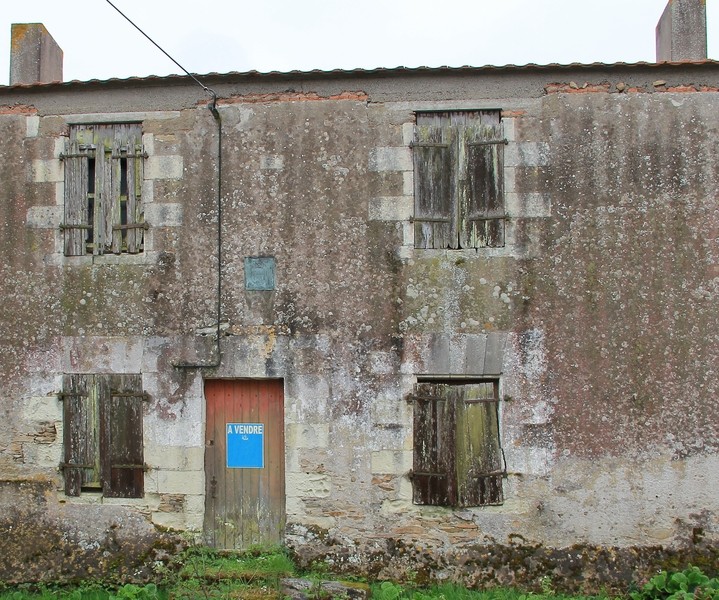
(144, 395)
(480, 219)
(414, 474)
(413, 397)
(64, 226)
(428, 145)
(131, 226)
(62, 395)
(128, 155)
(143, 466)
(74, 466)
(428, 220)
(489, 143)
(480, 400)
(85, 152)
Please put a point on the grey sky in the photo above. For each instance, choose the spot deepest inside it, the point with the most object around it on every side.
(282, 35)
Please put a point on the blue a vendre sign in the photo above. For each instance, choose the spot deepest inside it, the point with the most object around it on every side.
(245, 446)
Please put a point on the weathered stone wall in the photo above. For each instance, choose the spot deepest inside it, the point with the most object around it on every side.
(598, 313)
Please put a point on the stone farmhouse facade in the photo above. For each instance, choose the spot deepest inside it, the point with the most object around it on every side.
(460, 322)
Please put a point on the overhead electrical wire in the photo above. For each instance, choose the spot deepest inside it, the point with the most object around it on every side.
(216, 114)
(202, 85)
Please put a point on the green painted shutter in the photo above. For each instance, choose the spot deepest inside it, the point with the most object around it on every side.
(480, 464)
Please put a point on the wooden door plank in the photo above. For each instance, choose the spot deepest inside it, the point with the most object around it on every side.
(210, 529)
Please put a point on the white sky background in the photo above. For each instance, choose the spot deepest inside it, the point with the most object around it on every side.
(283, 35)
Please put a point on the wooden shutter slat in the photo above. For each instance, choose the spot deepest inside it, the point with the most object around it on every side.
(135, 214)
(110, 203)
(114, 202)
(98, 241)
(75, 200)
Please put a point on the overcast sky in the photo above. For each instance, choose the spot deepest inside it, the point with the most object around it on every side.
(283, 35)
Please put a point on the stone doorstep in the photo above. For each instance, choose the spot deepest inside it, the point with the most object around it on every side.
(306, 589)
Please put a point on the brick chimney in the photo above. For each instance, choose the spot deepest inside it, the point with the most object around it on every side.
(35, 56)
(682, 31)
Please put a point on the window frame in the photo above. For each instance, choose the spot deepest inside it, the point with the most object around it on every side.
(459, 198)
(103, 207)
(458, 459)
(103, 445)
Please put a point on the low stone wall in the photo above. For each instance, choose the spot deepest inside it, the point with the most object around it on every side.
(580, 568)
(43, 540)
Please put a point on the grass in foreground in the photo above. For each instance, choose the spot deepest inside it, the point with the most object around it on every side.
(205, 574)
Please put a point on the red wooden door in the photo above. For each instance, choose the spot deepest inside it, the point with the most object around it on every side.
(245, 504)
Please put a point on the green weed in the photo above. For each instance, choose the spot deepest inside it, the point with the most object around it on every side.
(690, 584)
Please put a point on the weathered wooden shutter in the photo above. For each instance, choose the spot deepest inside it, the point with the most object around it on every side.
(121, 437)
(134, 155)
(81, 437)
(480, 464)
(103, 189)
(102, 218)
(458, 459)
(76, 221)
(459, 180)
(433, 478)
(434, 152)
(482, 210)
(125, 210)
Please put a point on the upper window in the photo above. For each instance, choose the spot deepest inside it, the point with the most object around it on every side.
(458, 180)
(102, 435)
(103, 185)
(458, 459)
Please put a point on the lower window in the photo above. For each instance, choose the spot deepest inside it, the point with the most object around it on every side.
(458, 458)
(102, 421)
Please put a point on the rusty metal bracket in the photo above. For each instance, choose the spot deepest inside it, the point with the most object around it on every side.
(145, 468)
(427, 220)
(144, 395)
(64, 226)
(131, 226)
(415, 397)
(62, 395)
(489, 143)
(413, 474)
(427, 145)
(127, 155)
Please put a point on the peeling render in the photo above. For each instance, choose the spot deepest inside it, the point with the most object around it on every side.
(597, 316)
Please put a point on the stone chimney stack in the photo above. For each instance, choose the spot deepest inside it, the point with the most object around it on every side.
(682, 31)
(35, 56)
